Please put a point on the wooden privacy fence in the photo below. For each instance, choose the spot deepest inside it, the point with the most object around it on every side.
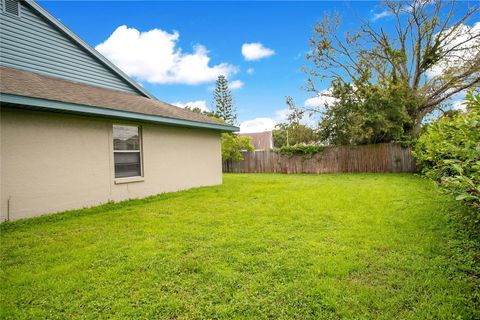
(385, 157)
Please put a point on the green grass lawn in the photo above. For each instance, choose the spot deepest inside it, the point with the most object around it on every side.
(360, 246)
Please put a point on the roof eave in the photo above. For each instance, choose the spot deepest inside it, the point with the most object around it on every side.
(51, 105)
(44, 13)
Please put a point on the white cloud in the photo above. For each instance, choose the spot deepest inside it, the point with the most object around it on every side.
(469, 49)
(236, 84)
(381, 15)
(281, 115)
(388, 13)
(250, 71)
(408, 7)
(262, 124)
(324, 97)
(154, 56)
(201, 104)
(457, 101)
(268, 123)
(255, 51)
(257, 125)
(459, 105)
(307, 120)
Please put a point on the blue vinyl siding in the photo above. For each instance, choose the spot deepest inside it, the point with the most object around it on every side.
(31, 43)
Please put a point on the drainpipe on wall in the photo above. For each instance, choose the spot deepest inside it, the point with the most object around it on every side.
(8, 208)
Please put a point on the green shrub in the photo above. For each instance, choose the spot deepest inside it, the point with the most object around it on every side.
(233, 144)
(301, 149)
(448, 151)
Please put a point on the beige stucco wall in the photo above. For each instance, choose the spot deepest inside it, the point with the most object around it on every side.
(53, 162)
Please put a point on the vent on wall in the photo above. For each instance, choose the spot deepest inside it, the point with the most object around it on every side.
(12, 7)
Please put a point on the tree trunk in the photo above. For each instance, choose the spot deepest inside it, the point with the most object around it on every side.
(417, 124)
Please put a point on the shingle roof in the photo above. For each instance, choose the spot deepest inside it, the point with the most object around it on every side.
(260, 140)
(29, 84)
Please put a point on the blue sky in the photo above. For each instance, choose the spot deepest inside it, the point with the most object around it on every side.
(190, 32)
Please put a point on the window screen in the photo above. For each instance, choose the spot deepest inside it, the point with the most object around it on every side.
(127, 151)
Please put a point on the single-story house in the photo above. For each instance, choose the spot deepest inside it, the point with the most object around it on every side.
(260, 140)
(77, 132)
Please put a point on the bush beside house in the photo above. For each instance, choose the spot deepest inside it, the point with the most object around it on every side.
(233, 144)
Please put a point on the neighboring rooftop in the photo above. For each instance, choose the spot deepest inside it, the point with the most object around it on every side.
(260, 140)
(80, 98)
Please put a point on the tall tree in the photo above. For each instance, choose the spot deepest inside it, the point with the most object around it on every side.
(292, 131)
(223, 101)
(198, 110)
(432, 52)
(371, 114)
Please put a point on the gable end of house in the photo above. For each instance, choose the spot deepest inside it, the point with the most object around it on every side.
(33, 40)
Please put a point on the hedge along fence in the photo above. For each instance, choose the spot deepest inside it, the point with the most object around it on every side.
(384, 157)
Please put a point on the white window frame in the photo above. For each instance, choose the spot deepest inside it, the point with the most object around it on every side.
(140, 151)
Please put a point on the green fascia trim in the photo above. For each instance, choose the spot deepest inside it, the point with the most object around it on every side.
(110, 113)
(44, 13)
